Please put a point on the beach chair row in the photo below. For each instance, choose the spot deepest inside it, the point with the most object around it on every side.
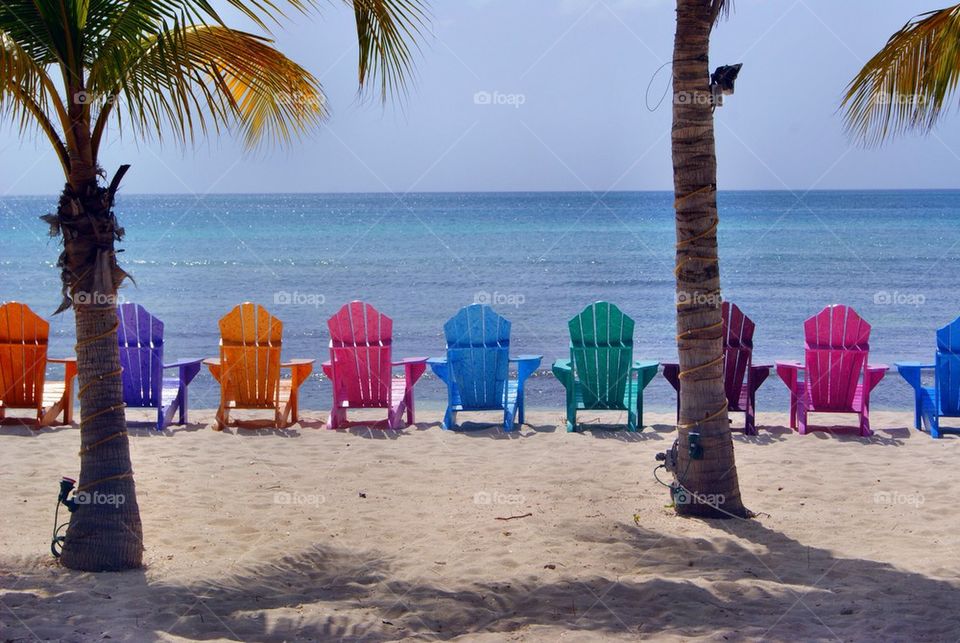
(478, 370)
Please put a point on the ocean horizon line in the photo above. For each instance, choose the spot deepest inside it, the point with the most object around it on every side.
(800, 191)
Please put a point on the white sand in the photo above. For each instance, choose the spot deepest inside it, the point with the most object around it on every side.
(419, 557)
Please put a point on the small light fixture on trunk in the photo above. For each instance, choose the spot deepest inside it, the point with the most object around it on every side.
(721, 82)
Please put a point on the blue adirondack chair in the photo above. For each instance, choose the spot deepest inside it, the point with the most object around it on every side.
(141, 355)
(943, 398)
(477, 366)
(601, 374)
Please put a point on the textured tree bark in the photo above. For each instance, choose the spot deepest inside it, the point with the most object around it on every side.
(710, 484)
(105, 533)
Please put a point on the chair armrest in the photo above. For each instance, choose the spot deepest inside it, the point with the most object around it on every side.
(527, 365)
(327, 367)
(180, 363)
(300, 370)
(646, 371)
(671, 373)
(69, 367)
(563, 371)
(440, 368)
(413, 369)
(874, 374)
(912, 373)
(410, 360)
(757, 375)
(789, 372)
(297, 362)
(213, 363)
(189, 368)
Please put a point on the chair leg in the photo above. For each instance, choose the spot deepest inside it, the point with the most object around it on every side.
(935, 427)
(222, 419)
(411, 414)
(449, 419)
(571, 421)
(337, 419)
(394, 420)
(749, 418)
(865, 423)
(749, 423)
(800, 423)
(182, 405)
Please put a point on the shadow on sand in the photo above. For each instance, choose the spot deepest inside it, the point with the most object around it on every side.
(747, 581)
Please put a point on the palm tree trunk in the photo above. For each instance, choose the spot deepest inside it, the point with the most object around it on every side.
(105, 533)
(710, 483)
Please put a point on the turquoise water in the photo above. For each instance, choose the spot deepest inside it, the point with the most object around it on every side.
(539, 257)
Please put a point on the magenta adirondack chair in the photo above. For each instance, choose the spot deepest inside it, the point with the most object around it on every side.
(837, 376)
(741, 377)
(361, 367)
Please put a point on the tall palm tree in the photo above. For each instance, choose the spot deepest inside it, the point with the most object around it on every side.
(905, 86)
(74, 68)
(710, 482)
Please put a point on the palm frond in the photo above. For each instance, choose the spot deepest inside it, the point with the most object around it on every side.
(906, 85)
(720, 9)
(386, 30)
(29, 97)
(191, 79)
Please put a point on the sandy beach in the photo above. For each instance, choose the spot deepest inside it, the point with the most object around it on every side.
(312, 534)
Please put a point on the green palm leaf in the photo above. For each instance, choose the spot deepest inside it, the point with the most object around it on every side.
(907, 84)
(173, 68)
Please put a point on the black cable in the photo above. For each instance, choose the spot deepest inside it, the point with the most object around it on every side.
(649, 84)
(57, 541)
(657, 478)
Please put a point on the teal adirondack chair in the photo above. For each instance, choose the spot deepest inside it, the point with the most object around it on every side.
(601, 374)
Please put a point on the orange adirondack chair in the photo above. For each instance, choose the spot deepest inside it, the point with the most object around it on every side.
(23, 368)
(249, 367)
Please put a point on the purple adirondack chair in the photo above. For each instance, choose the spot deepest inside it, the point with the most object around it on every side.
(838, 378)
(741, 378)
(141, 355)
(361, 367)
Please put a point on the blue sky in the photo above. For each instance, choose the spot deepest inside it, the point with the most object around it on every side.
(572, 77)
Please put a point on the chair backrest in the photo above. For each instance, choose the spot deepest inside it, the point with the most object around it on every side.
(737, 350)
(948, 367)
(837, 346)
(361, 354)
(23, 356)
(250, 344)
(478, 352)
(140, 335)
(601, 349)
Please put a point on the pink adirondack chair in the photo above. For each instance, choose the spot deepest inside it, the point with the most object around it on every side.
(361, 367)
(837, 377)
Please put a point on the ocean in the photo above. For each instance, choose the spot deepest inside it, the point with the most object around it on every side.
(538, 258)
